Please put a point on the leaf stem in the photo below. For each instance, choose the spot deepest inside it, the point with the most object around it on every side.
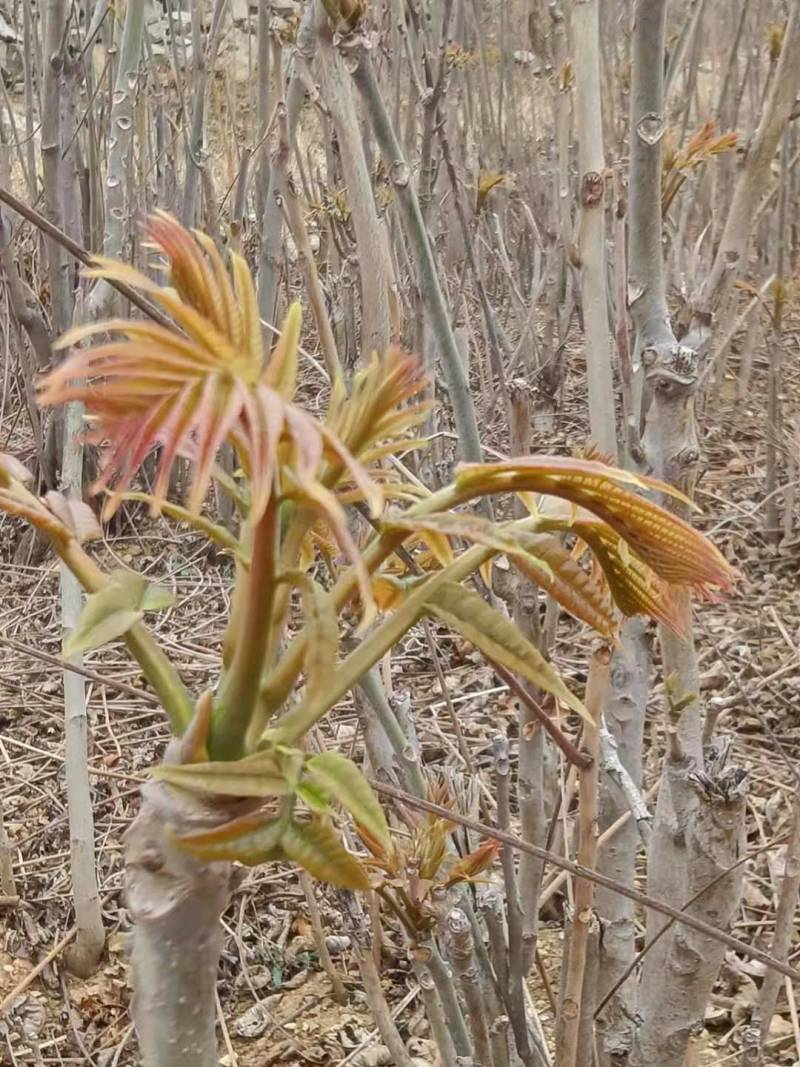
(173, 695)
(301, 718)
(278, 684)
(239, 693)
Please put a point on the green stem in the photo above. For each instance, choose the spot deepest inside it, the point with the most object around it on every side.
(240, 689)
(300, 719)
(173, 695)
(157, 669)
(278, 684)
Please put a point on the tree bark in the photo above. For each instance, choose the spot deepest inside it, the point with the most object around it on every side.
(592, 238)
(374, 265)
(175, 902)
(117, 185)
(699, 823)
(84, 953)
(624, 714)
(57, 263)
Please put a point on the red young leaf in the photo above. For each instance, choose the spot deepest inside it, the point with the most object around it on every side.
(190, 388)
(676, 551)
(636, 589)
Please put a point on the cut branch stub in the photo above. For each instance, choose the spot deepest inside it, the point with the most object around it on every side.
(592, 189)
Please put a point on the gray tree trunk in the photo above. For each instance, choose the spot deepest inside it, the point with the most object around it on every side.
(374, 264)
(624, 713)
(591, 223)
(750, 184)
(85, 952)
(699, 822)
(175, 902)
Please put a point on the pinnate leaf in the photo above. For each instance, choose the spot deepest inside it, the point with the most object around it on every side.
(464, 611)
(342, 779)
(671, 547)
(636, 589)
(472, 528)
(315, 847)
(540, 557)
(548, 564)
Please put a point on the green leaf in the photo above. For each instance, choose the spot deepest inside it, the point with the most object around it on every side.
(250, 839)
(464, 611)
(471, 527)
(323, 639)
(281, 370)
(316, 798)
(342, 779)
(315, 847)
(157, 597)
(114, 609)
(540, 557)
(255, 776)
(108, 614)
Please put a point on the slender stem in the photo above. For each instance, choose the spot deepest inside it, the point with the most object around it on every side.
(446, 989)
(239, 694)
(571, 754)
(337, 985)
(514, 916)
(440, 1031)
(427, 275)
(784, 924)
(577, 870)
(84, 955)
(278, 684)
(157, 669)
(408, 763)
(460, 944)
(570, 1015)
(77, 251)
(301, 718)
(379, 1009)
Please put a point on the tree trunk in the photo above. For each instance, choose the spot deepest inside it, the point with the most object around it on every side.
(374, 264)
(592, 238)
(58, 266)
(699, 823)
(84, 954)
(427, 274)
(624, 714)
(175, 902)
(117, 185)
(698, 834)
